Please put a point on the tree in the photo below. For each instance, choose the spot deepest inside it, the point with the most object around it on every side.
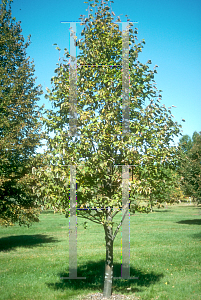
(163, 182)
(96, 152)
(185, 143)
(190, 166)
(19, 124)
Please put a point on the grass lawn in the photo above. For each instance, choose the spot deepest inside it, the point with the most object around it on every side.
(165, 253)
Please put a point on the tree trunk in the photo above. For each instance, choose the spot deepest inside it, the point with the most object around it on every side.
(107, 292)
(151, 204)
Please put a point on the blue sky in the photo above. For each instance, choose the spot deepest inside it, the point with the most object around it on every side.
(171, 29)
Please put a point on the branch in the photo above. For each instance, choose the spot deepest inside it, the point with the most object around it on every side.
(119, 209)
(92, 145)
(80, 216)
(90, 219)
(115, 213)
(114, 235)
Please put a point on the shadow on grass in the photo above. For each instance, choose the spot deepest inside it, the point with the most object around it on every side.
(197, 236)
(190, 222)
(28, 241)
(162, 210)
(94, 273)
(198, 210)
(47, 212)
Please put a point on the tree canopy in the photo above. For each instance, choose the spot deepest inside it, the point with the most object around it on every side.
(20, 124)
(99, 142)
(190, 166)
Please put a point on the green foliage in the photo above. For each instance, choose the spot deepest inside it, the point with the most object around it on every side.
(98, 149)
(19, 124)
(185, 143)
(190, 166)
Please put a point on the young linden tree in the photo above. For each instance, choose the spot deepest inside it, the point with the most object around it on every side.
(99, 145)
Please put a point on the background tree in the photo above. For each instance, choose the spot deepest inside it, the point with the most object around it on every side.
(99, 148)
(163, 183)
(190, 166)
(19, 124)
(185, 143)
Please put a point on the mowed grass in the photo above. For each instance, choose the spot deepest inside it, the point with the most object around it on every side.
(165, 253)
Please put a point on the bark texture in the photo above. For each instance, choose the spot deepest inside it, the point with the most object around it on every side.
(107, 292)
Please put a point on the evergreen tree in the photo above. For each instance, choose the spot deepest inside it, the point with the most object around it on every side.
(20, 123)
